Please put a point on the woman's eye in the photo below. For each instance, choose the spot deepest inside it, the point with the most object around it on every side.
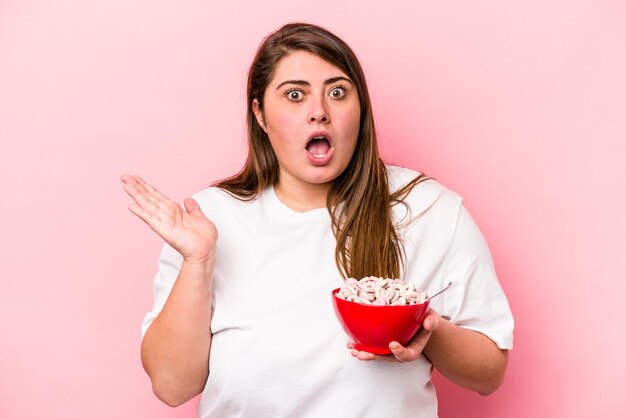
(337, 92)
(294, 95)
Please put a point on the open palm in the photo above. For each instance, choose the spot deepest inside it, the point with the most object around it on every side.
(188, 231)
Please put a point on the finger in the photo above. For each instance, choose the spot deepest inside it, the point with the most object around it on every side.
(415, 347)
(403, 354)
(431, 322)
(192, 207)
(131, 189)
(367, 356)
(140, 186)
(150, 192)
(128, 178)
(140, 197)
(134, 180)
(132, 186)
(362, 355)
(143, 214)
(151, 189)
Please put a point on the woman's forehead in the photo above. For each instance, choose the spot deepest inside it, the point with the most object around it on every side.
(304, 66)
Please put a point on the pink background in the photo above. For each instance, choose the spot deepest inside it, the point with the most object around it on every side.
(518, 106)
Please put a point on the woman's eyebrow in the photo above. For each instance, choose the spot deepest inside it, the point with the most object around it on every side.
(306, 83)
(335, 79)
(296, 82)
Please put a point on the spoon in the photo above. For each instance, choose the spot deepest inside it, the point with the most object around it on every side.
(439, 292)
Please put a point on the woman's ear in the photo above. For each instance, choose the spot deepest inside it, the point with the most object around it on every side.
(258, 113)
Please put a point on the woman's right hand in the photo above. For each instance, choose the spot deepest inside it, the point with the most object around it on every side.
(189, 232)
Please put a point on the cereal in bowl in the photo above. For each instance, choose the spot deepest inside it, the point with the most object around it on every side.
(379, 291)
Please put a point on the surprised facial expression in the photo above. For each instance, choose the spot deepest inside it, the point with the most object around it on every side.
(311, 114)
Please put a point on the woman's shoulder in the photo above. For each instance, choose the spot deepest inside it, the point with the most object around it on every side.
(212, 194)
(214, 200)
(399, 177)
(426, 192)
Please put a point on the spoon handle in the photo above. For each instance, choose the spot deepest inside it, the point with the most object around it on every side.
(439, 292)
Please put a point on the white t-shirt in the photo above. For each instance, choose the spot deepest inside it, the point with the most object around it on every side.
(278, 349)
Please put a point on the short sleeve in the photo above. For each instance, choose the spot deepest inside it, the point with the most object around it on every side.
(476, 300)
(170, 262)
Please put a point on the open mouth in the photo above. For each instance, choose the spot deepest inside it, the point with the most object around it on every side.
(318, 146)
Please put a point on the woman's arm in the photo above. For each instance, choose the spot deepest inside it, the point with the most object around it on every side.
(175, 348)
(467, 358)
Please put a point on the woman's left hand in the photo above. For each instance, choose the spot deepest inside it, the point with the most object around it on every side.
(403, 354)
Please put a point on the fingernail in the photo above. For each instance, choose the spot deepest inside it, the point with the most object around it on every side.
(395, 346)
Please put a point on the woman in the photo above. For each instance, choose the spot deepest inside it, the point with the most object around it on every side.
(246, 320)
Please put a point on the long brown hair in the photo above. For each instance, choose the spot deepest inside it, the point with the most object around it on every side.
(359, 201)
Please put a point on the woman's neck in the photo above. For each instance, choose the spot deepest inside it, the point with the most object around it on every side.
(302, 197)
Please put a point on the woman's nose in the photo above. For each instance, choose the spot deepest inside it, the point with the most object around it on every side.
(318, 113)
(319, 117)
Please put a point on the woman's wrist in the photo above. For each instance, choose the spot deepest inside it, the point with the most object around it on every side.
(201, 268)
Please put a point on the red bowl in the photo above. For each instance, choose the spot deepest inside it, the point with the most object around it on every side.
(373, 327)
